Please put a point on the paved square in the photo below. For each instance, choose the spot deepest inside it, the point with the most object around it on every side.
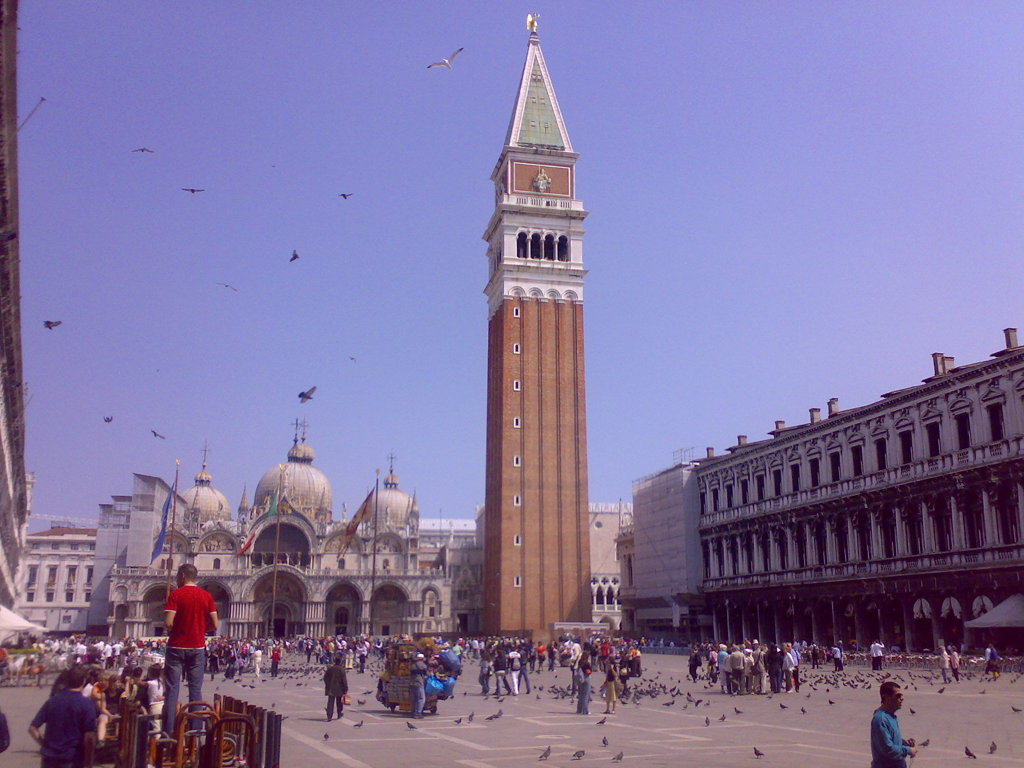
(648, 733)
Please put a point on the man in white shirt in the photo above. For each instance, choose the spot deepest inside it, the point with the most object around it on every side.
(877, 652)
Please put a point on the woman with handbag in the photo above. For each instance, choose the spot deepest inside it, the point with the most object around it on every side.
(611, 689)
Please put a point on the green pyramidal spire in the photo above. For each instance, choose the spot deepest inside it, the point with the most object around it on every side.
(536, 119)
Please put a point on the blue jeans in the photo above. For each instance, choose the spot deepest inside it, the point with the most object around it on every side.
(583, 704)
(187, 662)
(419, 698)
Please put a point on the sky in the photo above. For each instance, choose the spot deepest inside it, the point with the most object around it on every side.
(789, 201)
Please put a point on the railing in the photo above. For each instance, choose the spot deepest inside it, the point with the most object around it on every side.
(350, 572)
(543, 202)
(859, 569)
(975, 455)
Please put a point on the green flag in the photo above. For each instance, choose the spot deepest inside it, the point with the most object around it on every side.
(273, 505)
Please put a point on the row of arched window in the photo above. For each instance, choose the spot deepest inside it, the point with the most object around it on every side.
(606, 598)
(547, 247)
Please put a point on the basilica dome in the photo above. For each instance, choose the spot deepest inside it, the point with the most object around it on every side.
(205, 501)
(396, 508)
(305, 488)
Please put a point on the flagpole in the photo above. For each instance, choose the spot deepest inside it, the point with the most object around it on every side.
(174, 514)
(373, 567)
(277, 544)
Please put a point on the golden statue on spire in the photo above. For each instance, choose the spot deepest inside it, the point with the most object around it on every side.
(531, 22)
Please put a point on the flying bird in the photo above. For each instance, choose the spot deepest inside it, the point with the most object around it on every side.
(410, 726)
(228, 285)
(143, 149)
(351, 358)
(578, 754)
(446, 62)
(305, 397)
(108, 419)
(758, 753)
(545, 754)
(925, 743)
(51, 324)
(192, 190)
(967, 751)
(157, 434)
(617, 758)
(346, 195)
(295, 256)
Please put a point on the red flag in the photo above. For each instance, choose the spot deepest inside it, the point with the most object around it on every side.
(364, 511)
(248, 543)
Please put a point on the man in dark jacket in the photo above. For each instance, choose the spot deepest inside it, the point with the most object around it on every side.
(335, 687)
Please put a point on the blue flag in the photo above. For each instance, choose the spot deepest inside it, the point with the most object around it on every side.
(163, 527)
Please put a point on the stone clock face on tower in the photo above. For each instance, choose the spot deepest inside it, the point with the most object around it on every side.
(547, 179)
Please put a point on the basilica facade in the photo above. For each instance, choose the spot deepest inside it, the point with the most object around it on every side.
(283, 565)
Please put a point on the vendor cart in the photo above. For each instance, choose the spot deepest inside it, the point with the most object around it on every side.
(394, 687)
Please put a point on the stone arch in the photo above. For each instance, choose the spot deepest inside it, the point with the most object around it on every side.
(981, 605)
(217, 541)
(343, 608)
(221, 597)
(293, 546)
(517, 292)
(571, 296)
(178, 542)
(281, 614)
(389, 543)
(554, 295)
(536, 293)
(431, 599)
(154, 603)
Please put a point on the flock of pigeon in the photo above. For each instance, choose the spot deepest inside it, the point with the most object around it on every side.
(306, 395)
(656, 689)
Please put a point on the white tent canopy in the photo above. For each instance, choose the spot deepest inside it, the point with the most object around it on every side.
(1009, 613)
(11, 624)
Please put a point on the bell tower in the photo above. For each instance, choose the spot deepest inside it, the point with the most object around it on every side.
(536, 519)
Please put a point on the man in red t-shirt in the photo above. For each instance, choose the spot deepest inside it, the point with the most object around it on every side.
(190, 612)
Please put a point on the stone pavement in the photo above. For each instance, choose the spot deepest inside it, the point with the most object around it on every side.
(971, 713)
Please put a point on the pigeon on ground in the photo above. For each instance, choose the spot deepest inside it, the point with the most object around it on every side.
(360, 701)
(1016, 709)
(942, 689)
(602, 721)
(327, 736)
(617, 758)
(470, 718)
(604, 741)
(925, 743)
(445, 62)
(967, 751)
(305, 397)
(782, 706)
(458, 721)
(737, 710)
(545, 754)
(578, 754)
(992, 748)
(410, 726)
(707, 721)
(722, 718)
(758, 752)
(358, 725)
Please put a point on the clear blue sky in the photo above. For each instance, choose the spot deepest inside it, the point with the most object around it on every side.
(790, 201)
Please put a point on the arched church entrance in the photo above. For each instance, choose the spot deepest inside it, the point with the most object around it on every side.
(154, 605)
(222, 598)
(343, 608)
(281, 614)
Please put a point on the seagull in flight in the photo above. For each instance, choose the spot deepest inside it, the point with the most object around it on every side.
(192, 190)
(51, 324)
(305, 397)
(108, 419)
(347, 195)
(446, 62)
(157, 434)
(295, 256)
(143, 149)
(228, 285)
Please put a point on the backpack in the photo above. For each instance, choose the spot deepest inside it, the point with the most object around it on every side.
(516, 663)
